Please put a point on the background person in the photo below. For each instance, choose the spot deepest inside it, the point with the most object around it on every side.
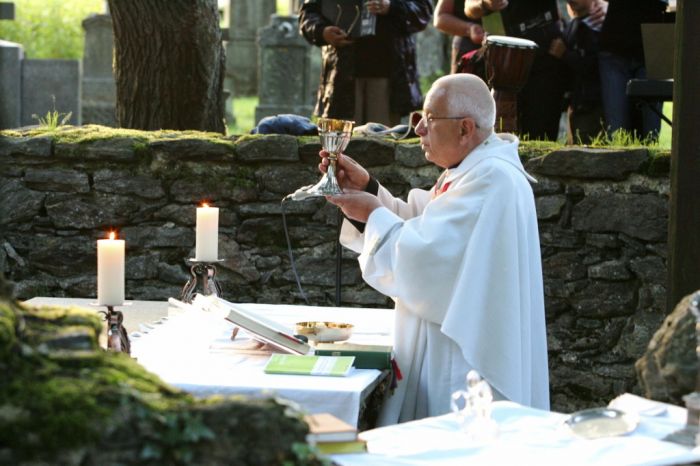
(468, 35)
(371, 78)
(579, 50)
(461, 261)
(621, 58)
(540, 101)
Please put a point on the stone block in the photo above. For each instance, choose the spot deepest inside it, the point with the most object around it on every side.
(642, 216)
(49, 85)
(589, 163)
(11, 55)
(163, 236)
(99, 211)
(283, 179)
(668, 368)
(269, 147)
(194, 190)
(605, 300)
(18, 203)
(128, 184)
(118, 149)
(371, 152)
(57, 179)
(39, 148)
(410, 155)
(549, 206)
(614, 270)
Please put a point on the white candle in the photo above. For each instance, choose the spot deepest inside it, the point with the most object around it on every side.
(110, 271)
(207, 249)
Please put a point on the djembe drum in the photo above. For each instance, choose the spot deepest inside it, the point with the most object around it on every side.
(508, 61)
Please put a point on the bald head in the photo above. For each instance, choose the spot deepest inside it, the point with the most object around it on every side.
(466, 95)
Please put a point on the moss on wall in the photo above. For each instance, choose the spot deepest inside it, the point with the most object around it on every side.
(65, 404)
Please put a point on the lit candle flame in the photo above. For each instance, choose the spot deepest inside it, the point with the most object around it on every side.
(112, 235)
(204, 204)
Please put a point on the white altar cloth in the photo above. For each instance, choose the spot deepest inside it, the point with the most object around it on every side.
(192, 351)
(527, 437)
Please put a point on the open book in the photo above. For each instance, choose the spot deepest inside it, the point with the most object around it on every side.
(263, 329)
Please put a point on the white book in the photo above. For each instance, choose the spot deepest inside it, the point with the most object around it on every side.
(260, 327)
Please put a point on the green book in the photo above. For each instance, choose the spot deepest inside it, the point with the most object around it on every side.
(366, 356)
(337, 366)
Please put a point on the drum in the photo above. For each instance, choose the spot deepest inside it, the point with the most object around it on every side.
(508, 62)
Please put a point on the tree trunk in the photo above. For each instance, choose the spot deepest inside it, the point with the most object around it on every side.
(169, 64)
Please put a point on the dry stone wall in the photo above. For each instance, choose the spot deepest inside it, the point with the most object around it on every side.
(602, 214)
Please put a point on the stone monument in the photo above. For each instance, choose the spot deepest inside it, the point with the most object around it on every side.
(284, 69)
(246, 17)
(11, 55)
(99, 93)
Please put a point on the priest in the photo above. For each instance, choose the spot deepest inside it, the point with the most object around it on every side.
(461, 260)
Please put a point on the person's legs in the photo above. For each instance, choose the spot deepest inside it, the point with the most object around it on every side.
(614, 75)
(650, 121)
(585, 125)
(373, 99)
(540, 101)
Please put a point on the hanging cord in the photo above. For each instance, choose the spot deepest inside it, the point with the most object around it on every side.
(289, 251)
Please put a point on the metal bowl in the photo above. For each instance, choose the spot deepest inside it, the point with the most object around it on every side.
(324, 332)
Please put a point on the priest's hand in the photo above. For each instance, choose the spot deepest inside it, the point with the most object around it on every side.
(350, 174)
(356, 205)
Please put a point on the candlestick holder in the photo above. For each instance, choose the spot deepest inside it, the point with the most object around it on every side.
(690, 434)
(203, 274)
(117, 335)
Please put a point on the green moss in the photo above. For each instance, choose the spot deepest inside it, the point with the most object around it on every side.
(529, 149)
(658, 164)
(8, 323)
(89, 133)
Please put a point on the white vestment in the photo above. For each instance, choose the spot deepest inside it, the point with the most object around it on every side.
(464, 269)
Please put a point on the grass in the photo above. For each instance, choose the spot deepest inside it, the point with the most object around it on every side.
(244, 111)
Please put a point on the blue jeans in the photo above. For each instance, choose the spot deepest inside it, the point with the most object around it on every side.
(615, 71)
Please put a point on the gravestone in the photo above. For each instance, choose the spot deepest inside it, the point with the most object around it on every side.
(10, 63)
(99, 92)
(432, 52)
(11, 55)
(247, 16)
(284, 69)
(7, 10)
(49, 85)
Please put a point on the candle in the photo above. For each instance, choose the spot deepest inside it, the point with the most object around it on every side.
(110, 271)
(207, 249)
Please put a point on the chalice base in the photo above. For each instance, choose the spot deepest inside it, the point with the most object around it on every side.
(327, 186)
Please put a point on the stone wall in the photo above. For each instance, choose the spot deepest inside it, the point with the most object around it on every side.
(602, 213)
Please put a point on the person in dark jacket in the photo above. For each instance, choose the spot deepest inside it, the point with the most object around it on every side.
(579, 50)
(372, 78)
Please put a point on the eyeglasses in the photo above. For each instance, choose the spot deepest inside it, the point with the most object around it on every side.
(418, 115)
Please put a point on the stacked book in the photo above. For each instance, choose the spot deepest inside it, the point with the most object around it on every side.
(333, 436)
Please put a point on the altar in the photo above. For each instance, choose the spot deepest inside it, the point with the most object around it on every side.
(192, 350)
(528, 436)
